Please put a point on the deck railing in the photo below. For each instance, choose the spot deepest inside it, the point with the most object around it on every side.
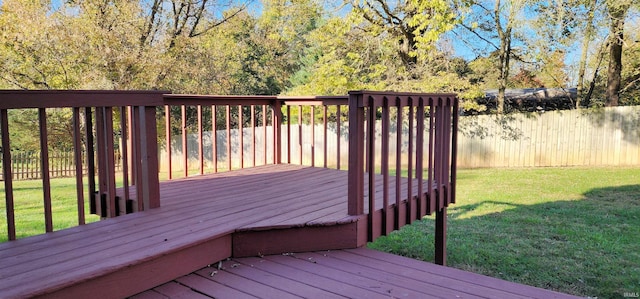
(98, 118)
(246, 131)
(422, 154)
(407, 139)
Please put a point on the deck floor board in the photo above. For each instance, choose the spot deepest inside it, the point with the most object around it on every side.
(333, 274)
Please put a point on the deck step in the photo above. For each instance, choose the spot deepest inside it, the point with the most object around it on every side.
(354, 273)
(115, 273)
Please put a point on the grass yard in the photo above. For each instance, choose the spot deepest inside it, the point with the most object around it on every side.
(29, 207)
(574, 230)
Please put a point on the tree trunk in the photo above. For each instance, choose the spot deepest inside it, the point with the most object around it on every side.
(614, 76)
(618, 13)
(504, 54)
(505, 50)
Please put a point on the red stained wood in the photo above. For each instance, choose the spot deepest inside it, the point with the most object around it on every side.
(44, 162)
(337, 285)
(77, 156)
(275, 241)
(210, 288)
(230, 280)
(6, 172)
(18, 99)
(185, 150)
(301, 202)
(353, 273)
(356, 163)
(251, 274)
(200, 142)
(167, 134)
(177, 290)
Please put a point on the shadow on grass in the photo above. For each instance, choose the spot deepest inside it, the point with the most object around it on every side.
(587, 247)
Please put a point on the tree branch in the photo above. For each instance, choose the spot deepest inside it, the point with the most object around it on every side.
(480, 36)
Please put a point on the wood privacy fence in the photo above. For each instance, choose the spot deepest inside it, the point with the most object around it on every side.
(27, 165)
(608, 136)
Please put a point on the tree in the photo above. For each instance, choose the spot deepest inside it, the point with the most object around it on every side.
(32, 48)
(496, 22)
(589, 31)
(617, 14)
(414, 24)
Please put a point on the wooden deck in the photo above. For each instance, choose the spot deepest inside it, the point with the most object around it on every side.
(203, 219)
(252, 212)
(355, 273)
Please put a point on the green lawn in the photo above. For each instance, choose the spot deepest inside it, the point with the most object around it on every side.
(574, 230)
(29, 207)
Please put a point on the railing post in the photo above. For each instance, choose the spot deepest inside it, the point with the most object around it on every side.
(356, 154)
(149, 158)
(441, 237)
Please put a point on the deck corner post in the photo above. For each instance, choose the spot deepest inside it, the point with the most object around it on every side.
(149, 155)
(356, 154)
(441, 237)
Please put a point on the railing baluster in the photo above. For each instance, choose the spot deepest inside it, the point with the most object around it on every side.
(214, 137)
(200, 142)
(137, 150)
(253, 135)
(132, 144)
(430, 176)
(300, 134)
(167, 134)
(447, 147)
(384, 153)
(44, 161)
(371, 164)
(421, 208)
(399, 112)
(288, 134)
(454, 150)
(77, 152)
(6, 174)
(276, 118)
(313, 136)
(264, 134)
(125, 157)
(91, 168)
(241, 134)
(410, 205)
(228, 137)
(338, 136)
(440, 139)
(185, 150)
(443, 146)
(324, 125)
